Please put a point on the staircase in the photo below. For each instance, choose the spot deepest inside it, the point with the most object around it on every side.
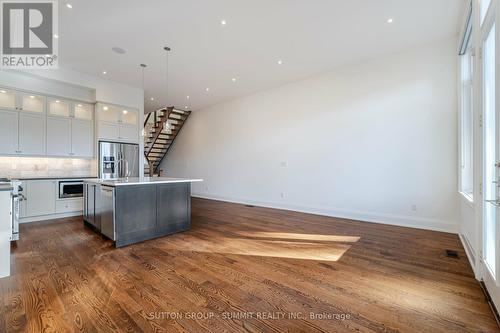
(161, 127)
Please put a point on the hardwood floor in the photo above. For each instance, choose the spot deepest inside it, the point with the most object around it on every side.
(243, 269)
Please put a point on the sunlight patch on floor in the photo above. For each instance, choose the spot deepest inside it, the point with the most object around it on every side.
(284, 246)
(289, 235)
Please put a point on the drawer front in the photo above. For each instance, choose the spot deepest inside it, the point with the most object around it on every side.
(69, 206)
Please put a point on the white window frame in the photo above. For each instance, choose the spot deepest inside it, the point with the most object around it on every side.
(466, 130)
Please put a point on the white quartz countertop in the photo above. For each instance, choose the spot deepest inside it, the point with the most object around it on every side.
(141, 181)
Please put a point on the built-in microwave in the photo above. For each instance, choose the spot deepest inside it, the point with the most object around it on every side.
(70, 189)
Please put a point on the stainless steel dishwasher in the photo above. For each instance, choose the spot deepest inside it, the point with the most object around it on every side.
(91, 202)
(107, 210)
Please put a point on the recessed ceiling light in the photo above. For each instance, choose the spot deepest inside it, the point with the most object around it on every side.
(223, 22)
(125, 111)
(233, 79)
(58, 101)
(390, 20)
(3, 91)
(118, 50)
(280, 62)
(69, 5)
(187, 97)
(104, 72)
(208, 89)
(152, 98)
(79, 105)
(186, 107)
(32, 96)
(56, 36)
(105, 108)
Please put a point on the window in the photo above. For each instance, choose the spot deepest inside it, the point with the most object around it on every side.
(484, 4)
(466, 116)
(490, 144)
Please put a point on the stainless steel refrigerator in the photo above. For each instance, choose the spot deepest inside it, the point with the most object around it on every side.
(118, 160)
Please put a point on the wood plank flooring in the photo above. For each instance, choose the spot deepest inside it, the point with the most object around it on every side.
(242, 269)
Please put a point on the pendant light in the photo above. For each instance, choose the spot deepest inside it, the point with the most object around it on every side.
(167, 124)
(143, 67)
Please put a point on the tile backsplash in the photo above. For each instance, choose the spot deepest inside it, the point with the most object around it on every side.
(31, 167)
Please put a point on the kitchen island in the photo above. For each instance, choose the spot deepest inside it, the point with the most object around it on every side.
(137, 209)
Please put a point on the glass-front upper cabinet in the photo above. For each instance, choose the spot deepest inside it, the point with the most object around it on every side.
(83, 111)
(129, 117)
(32, 103)
(109, 113)
(8, 99)
(59, 107)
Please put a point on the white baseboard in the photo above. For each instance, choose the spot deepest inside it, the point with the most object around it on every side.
(49, 217)
(471, 255)
(390, 219)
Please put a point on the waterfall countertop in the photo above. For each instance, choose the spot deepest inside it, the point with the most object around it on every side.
(140, 181)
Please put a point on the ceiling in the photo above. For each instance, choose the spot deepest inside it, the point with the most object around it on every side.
(309, 37)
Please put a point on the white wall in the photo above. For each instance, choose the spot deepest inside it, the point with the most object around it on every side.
(374, 141)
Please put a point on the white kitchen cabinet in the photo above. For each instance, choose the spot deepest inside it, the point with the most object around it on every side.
(128, 133)
(69, 206)
(25, 118)
(118, 132)
(59, 107)
(32, 134)
(8, 99)
(109, 113)
(31, 103)
(8, 132)
(83, 111)
(129, 117)
(70, 137)
(82, 138)
(58, 136)
(41, 197)
(117, 123)
(109, 131)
